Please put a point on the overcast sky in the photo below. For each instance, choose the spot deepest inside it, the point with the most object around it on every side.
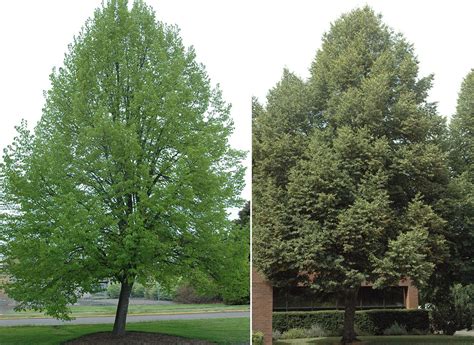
(244, 45)
(288, 34)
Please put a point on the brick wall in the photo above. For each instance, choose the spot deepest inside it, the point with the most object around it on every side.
(412, 297)
(262, 303)
(262, 306)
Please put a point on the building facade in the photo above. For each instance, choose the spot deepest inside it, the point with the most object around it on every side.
(266, 300)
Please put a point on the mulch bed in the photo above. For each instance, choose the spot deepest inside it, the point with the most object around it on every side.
(133, 338)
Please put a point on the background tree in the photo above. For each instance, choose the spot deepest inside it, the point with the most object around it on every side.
(356, 201)
(227, 274)
(455, 276)
(234, 278)
(462, 166)
(129, 172)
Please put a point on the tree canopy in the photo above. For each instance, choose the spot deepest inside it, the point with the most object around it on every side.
(454, 277)
(129, 172)
(349, 167)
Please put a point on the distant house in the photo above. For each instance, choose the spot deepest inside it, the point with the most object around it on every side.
(266, 300)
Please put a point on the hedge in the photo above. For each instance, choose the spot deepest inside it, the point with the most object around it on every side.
(371, 322)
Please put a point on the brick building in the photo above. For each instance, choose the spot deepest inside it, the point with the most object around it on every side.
(266, 300)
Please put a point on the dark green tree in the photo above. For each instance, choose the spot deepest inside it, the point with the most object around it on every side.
(461, 218)
(462, 130)
(129, 172)
(348, 168)
(457, 273)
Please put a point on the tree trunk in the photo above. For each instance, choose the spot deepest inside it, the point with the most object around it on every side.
(349, 334)
(122, 308)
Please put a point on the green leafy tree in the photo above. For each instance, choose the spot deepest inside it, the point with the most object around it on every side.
(461, 203)
(228, 273)
(458, 208)
(129, 172)
(234, 281)
(349, 167)
(461, 130)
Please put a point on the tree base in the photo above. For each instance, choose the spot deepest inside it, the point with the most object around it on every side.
(350, 342)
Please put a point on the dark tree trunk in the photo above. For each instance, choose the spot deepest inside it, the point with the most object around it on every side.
(122, 308)
(349, 334)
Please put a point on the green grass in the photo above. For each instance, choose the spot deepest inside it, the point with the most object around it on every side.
(221, 331)
(84, 311)
(388, 340)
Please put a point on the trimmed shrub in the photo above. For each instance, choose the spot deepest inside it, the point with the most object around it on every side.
(366, 321)
(396, 329)
(378, 320)
(257, 338)
(330, 320)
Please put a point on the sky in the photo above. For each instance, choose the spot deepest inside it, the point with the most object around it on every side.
(288, 34)
(244, 45)
(34, 36)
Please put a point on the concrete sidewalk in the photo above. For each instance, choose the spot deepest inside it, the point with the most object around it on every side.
(130, 318)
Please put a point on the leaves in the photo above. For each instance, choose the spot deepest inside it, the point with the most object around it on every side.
(350, 195)
(128, 173)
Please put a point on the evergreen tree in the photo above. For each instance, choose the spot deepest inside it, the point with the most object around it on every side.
(129, 172)
(347, 176)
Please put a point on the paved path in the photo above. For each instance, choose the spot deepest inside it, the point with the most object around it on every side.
(130, 318)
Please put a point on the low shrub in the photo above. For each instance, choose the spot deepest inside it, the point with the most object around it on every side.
(113, 290)
(330, 320)
(187, 294)
(371, 322)
(316, 331)
(396, 329)
(138, 290)
(157, 292)
(294, 333)
(276, 335)
(415, 331)
(378, 320)
(257, 338)
(151, 292)
(229, 300)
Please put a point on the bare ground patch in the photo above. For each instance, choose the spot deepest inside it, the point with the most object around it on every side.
(134, 338)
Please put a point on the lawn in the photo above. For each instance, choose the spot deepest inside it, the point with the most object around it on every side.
(134, 309)
(387, 340)
(221, 331)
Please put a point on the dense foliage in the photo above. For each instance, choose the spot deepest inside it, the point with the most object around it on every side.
(128, 174)
(454, 277)
(368, 322)
(350, 167)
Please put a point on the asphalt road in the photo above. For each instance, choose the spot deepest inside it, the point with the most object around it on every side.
(130, 318)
